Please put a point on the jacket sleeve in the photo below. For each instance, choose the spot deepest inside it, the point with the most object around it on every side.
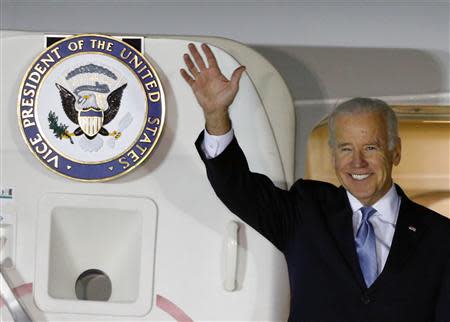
(251, 196)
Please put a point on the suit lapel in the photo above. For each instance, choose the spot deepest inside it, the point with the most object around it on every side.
(341, 228)
(409, 229)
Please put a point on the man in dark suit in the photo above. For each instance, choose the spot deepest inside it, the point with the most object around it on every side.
(360, 252)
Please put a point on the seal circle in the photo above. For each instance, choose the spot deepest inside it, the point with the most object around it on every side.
(91, 108)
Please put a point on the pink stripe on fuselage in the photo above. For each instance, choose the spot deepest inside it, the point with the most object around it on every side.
(170, 308)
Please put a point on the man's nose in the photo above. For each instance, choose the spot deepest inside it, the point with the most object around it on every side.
(358, 159)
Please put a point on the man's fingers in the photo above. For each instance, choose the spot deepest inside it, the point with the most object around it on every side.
(236, 76)
(187, 77)
(190, 65)
(212, 62)
(197, 58)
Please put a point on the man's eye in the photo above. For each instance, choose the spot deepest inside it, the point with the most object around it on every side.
(346, 149)
(371, 148)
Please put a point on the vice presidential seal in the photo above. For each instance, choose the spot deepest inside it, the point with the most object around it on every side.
(91, 108)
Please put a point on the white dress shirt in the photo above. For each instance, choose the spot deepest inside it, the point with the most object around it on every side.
(213, 145)
(383, 221)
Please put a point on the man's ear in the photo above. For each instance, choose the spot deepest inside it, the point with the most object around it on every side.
(397, 153)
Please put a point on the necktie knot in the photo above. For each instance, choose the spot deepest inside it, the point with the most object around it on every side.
(367, 212)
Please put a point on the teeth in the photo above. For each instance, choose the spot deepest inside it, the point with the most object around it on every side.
(359, 176)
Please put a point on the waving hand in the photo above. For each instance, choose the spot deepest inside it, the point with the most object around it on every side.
(214, 92)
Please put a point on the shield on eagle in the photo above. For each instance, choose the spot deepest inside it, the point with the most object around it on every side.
(90, 120)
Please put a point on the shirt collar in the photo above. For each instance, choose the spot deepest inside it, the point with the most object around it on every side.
(387, 207)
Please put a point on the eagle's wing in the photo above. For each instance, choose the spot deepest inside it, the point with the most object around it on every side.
(68, 103)
(113, 104)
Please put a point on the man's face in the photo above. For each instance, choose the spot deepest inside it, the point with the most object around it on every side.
(362, 161)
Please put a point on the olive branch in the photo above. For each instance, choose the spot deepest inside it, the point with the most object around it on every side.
(59, 130)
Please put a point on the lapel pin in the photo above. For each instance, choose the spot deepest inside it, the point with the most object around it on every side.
(412, 228)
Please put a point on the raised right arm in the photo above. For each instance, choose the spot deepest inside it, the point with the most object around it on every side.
(251, 196)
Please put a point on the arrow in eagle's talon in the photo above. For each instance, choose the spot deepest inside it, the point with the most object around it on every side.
(116, 134)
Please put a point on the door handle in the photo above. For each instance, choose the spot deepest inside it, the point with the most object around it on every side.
(231, 254)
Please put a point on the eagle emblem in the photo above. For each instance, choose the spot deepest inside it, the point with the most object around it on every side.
(90, 105)
(85, 112)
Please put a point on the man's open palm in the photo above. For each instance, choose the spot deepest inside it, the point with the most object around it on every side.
(214, 92)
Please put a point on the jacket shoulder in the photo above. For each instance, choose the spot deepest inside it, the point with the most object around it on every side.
(319, 191)
(315, 186)
(439, 224)
(434, 217)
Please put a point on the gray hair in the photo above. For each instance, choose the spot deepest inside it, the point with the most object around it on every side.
(365, 105)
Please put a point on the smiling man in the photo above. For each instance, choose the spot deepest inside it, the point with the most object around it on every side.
(358, 253)
(365, 145)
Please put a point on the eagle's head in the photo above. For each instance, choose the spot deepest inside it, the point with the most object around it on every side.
(86, 100)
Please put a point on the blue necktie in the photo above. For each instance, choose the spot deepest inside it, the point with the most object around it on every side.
(365, 247)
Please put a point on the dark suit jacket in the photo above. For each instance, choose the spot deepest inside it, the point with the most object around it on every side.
(312, 225)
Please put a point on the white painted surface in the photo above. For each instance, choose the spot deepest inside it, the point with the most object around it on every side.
(191, 219)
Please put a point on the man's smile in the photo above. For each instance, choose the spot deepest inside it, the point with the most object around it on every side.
(359, 177)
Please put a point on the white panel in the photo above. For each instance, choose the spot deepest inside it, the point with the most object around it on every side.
(191, 219)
